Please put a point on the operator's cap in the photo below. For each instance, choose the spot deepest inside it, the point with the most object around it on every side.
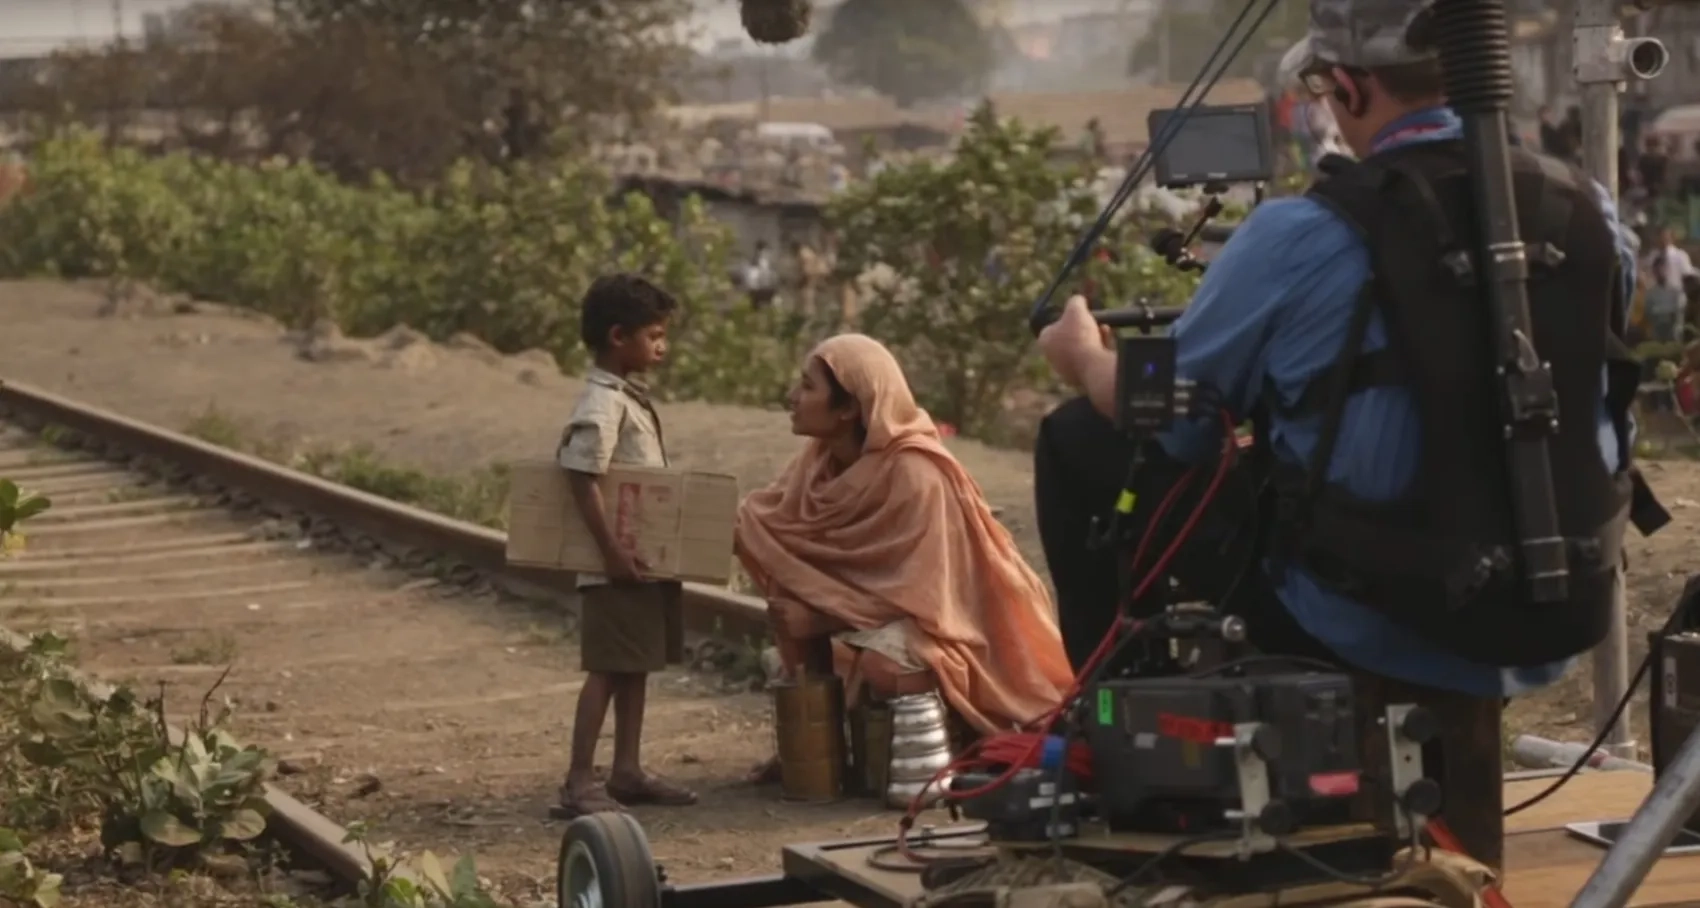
(1368, 33)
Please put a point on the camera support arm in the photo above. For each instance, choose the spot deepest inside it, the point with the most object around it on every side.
(1475, 54)
(1176, 247)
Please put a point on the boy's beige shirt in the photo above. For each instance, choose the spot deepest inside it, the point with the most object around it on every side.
(612, 423)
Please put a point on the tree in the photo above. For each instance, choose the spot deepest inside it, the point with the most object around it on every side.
(1193, 28)
(909, 50)
(403, 87)
(950, 258)
(536, 68)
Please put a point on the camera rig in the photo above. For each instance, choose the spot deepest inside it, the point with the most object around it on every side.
(1255, 765)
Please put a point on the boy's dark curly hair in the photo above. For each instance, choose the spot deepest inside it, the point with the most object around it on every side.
(626, 301)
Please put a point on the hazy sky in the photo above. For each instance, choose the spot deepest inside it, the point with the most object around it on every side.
(33, 26)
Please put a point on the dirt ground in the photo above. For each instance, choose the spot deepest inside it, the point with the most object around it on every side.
(449, 408)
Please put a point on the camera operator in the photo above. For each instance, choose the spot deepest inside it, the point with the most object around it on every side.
(1273, 315)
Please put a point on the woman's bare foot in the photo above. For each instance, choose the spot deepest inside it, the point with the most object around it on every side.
(764, 773)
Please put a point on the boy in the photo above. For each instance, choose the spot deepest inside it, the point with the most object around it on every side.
(630, 625)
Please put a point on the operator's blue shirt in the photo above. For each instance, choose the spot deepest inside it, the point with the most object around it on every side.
(1275, 303)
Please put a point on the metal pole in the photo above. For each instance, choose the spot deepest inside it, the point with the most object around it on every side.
(1596, 26)
(1644, 839)
(1603, 62)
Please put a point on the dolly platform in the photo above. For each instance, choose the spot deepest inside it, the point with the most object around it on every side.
(605, 861)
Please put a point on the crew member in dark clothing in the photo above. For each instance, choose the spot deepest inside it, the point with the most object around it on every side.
(1552, 137)
(1653, 164)
(1570, 137)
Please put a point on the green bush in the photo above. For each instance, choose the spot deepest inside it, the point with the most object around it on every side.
(505, 254)
(21, 883)
(973, 242)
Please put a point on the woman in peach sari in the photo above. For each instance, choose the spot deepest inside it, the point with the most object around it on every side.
(881, 560)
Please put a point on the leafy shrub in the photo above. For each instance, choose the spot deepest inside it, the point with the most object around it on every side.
(946, 257)
(503, 255)
(388, 886)
(16, 506)
(971, 244)
(161, 803)
(164, 801)
(20, 882)
(480, 497)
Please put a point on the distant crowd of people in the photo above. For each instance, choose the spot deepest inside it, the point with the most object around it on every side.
(800, 279)
(1645, 171)
(1672, 290)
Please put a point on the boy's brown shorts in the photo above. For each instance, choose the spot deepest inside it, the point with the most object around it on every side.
(631, 628)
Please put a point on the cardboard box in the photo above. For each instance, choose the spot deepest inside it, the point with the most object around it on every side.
(680, 522)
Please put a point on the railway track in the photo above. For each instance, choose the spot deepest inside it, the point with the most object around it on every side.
(403, 674)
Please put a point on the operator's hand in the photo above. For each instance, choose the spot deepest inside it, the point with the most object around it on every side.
(1067, 341)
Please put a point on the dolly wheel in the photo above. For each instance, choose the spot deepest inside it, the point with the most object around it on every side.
(606, 863)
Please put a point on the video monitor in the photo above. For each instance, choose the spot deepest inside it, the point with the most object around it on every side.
(1228, 144)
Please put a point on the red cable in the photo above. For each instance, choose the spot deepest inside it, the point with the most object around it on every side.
(1157, 517)
(1443, 837)
(1022, 750)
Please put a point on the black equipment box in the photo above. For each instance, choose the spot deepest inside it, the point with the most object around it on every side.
(1675, 702)
(1024, 809)
(1161, 764)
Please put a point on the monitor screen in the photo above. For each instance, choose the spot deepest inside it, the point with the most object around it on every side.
(1213, 144)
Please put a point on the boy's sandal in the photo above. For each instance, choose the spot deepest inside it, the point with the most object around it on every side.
(593, 800)
(652, 790)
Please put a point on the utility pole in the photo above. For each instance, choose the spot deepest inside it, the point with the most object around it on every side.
(1605, 61)
(116, 69)
(1167, 34)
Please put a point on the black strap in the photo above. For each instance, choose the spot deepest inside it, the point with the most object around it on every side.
(1353, 192)
(1453, 255)
(1375, 369)
(1332, 164)
(1645, 511)
(1367, 545)
(1432, 212)
(1554, 209)
(1356, 196)
(1337, 389)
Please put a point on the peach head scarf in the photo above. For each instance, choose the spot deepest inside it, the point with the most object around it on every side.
(905, 533)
